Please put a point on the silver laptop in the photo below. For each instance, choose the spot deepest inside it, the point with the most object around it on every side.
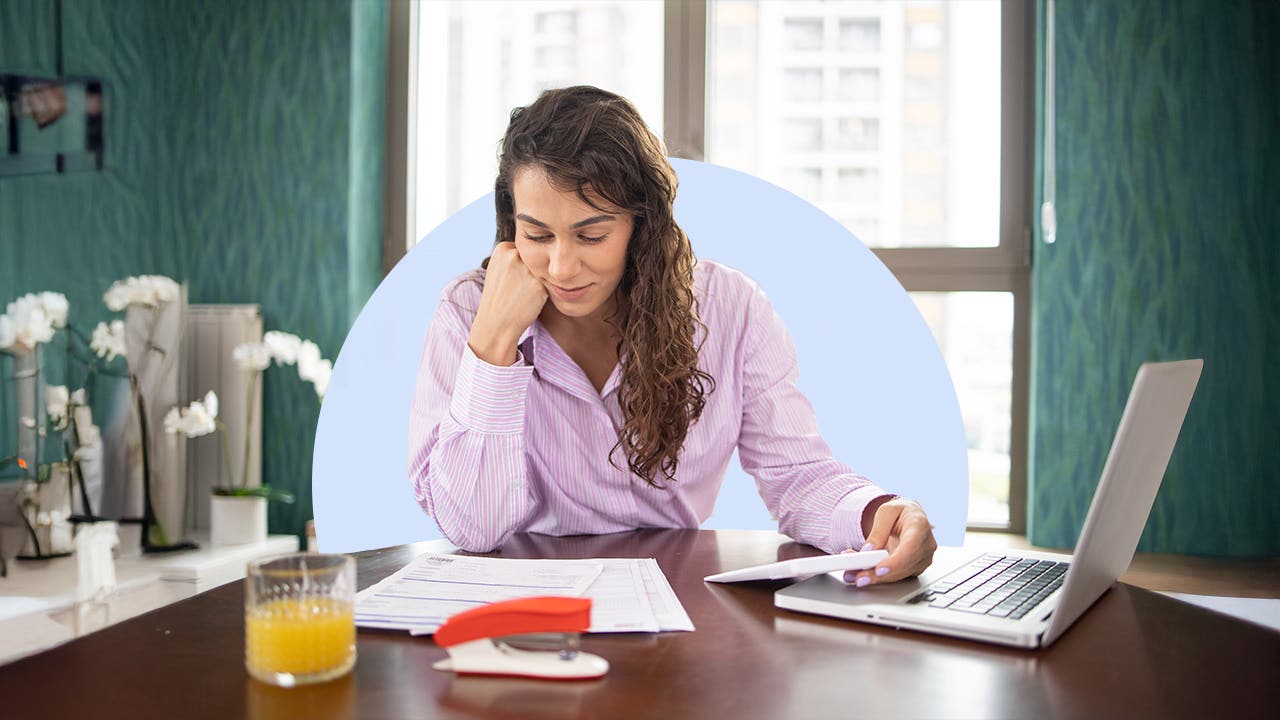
(1026, 598)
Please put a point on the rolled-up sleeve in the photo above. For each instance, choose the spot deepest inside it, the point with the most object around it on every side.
(466, 437)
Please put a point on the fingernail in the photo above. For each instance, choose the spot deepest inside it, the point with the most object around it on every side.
(867, 547)
(863, 581)
(882, 571)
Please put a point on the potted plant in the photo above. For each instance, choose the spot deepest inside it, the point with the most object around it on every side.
(237, 512)
(150, 337)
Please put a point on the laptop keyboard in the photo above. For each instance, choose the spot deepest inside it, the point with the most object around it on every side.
(996, 585)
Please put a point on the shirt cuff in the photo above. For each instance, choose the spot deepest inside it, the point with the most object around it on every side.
(488, 398)
(846, 520)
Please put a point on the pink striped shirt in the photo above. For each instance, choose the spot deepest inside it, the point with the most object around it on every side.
(497, 450)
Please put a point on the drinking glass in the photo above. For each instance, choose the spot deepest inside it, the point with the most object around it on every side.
(299, 618)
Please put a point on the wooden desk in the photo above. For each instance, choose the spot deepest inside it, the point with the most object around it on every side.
(1135, 654)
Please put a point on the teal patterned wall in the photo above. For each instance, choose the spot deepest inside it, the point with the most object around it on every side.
(244, 145)
(1168, 247)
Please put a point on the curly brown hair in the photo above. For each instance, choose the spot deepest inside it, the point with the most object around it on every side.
(587, 138)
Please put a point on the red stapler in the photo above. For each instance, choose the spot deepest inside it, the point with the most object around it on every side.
(483, 641)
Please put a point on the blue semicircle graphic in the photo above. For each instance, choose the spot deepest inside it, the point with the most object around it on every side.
(868, 363)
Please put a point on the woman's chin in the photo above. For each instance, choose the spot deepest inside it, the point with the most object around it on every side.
(573, 309)
(586, 307)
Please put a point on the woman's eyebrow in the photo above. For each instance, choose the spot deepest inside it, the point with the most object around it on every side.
(581, 223)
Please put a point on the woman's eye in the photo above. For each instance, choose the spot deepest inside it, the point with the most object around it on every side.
(538, 238)
(596, 239)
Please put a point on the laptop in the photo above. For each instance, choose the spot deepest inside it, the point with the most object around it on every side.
(1025, 598)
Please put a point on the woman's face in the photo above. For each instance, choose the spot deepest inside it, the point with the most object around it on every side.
(577, 251)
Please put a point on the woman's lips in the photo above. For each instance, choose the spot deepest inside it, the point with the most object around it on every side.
(571, 293)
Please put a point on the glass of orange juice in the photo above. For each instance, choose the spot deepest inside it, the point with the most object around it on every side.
(299, 619)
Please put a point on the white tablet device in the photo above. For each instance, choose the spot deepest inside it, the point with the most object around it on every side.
(801, 567)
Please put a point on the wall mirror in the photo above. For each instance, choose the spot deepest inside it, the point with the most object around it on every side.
(50, 125)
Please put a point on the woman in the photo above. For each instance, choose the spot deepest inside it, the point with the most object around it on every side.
(592, 378)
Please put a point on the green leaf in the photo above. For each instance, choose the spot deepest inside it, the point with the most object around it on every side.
(263, 491)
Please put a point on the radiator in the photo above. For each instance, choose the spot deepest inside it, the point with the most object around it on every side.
(213, 331)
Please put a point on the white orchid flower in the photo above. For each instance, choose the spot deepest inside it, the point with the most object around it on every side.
(320, 377)
(251, 356)
(149, 290)
(284, 347)
(56, 398)
(56, 308)
(163, 289)
(32, 324)
(287, 349)
(7, 334)
(108, 340)
(116, 297)
(211, 404)
(308, 358)
(196, 420)
(173, 420)
(311, 366)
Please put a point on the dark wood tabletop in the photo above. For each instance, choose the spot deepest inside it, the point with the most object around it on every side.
(1134, 654)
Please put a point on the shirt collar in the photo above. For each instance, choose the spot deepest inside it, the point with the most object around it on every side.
(536, 344)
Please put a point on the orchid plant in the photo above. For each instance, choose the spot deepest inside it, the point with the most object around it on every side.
(200, 418)
(27, 323)
(153, 292)
(255, 357)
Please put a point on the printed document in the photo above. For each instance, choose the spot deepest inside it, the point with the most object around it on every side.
(628, 594)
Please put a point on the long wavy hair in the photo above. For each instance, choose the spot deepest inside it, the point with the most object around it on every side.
(586, 138)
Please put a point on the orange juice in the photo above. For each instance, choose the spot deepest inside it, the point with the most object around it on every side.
(298, 640)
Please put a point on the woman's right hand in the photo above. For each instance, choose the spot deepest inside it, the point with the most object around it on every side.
(510, 302)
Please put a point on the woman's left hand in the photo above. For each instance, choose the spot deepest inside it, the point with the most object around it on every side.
(901, 527)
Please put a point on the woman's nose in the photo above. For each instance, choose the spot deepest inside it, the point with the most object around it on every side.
(563, 263)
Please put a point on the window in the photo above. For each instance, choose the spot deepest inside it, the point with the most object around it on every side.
(804, 181)
(480, 59)
(859, 185)
(905, 143)
(802, 134)
(857, 133)
(860, 35)
(859, 85)
(803, 84)
(908, 121)
(803, 33)
(974, 330)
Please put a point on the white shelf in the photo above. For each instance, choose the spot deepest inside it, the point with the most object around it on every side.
(211, 566)
(37, 600)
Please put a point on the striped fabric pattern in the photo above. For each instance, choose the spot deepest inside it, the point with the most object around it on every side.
(526, 448)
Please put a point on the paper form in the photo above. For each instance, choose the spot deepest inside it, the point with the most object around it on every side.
(667, 609)
(422, 594)
(627, 594)
(619, 601)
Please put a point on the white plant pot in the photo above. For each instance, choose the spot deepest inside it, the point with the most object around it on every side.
(237, 520)
(130, 540)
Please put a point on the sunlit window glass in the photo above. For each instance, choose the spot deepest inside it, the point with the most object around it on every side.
(974, 330)
(478, 59)
(907, 92)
